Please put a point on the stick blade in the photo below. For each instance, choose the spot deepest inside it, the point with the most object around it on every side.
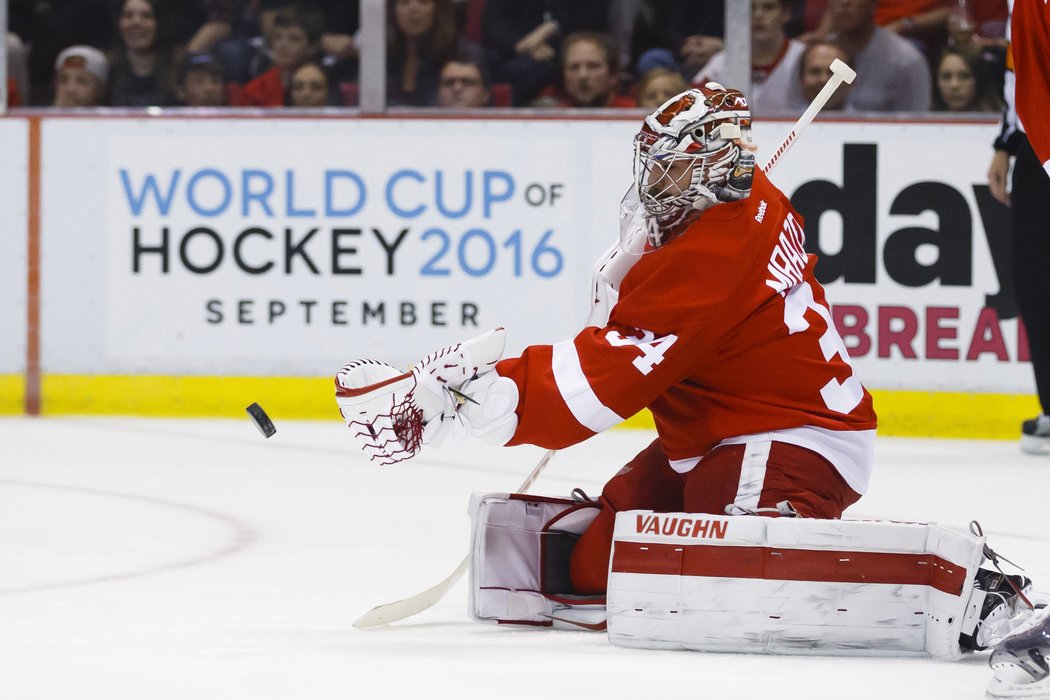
(402, 609)
(839, 67)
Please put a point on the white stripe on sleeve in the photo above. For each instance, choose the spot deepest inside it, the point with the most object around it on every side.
(576, 391)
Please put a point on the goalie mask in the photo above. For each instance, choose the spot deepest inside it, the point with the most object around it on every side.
(692, 152)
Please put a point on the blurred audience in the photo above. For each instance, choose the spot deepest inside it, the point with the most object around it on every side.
(80, 77)
(962, 83)
(520, 39)
(142, 69)
(294, 39)
(17, 68)
(13, 98)
(590, 74)
(421, 36)
(46, 28)
(774, 60)
(199, 82)
(309, 86)
(245, 53)
(578, 53)
(923, 22)
(982, 22)
(892, 75)
(681, 35)
(814, 71)
(658, 86)
(463, 83)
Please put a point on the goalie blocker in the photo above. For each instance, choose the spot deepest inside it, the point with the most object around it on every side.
(731, 583)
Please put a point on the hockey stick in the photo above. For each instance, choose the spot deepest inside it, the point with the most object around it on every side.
(606, 273)
(840, 73)
(401, 609)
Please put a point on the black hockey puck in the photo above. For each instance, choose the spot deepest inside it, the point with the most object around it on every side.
(261, 420)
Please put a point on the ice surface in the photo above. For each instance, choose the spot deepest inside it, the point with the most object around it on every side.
(193, 559)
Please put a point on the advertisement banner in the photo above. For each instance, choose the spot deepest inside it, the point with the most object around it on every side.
(913, 251)
(289, 246)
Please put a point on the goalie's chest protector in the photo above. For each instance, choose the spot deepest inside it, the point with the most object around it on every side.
(790, 586)
(756, 348)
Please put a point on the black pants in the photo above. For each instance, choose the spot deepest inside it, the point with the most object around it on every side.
(1030, 230)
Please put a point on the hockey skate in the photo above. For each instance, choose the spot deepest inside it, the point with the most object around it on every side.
(1035, 435)
(1019, 662)
(1003, 606)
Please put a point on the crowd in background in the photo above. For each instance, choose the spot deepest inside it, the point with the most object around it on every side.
(910, 55)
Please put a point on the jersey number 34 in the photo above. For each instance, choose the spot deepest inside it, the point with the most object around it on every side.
(652, 348)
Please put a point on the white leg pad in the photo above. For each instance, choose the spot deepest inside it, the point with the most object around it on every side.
(519, 573)
(790, 585)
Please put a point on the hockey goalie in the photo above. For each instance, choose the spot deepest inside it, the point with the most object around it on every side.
(724, 533)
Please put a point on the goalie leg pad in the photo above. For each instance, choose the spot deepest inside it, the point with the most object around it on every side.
(790, 585)
(519, 567)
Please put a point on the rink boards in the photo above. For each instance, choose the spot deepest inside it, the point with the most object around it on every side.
(190, 266)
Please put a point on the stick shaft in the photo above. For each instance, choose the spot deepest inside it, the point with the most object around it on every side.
(814, 108)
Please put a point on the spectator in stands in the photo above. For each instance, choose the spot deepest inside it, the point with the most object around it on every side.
(463, 83)
(215, 27)
(200, 82)
(520, 38)
(142, 70)
(658, 86)
(17, 69)
(774, 60)
(963, 84)
(915, 18)
(13, 98)
(421, 36)
(814, 71)
(237, 32)
(590, 74)
(892, 75)
(982, 22)
(294, 40)
(309, 86)
(241, 38)
(51, 26)
(681, 35)
(927, 22)
(80, 77)
(339, 41)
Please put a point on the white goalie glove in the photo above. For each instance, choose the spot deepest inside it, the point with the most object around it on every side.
(450, 394)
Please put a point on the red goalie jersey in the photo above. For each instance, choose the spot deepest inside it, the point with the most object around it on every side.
(723, 333)
(1030, 54)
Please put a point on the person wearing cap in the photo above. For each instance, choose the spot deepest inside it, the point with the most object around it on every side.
(80, 77)
(199, 81)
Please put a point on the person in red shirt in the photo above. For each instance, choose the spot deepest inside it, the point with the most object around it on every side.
(13, 98)
(296, 37)
(720, 328)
